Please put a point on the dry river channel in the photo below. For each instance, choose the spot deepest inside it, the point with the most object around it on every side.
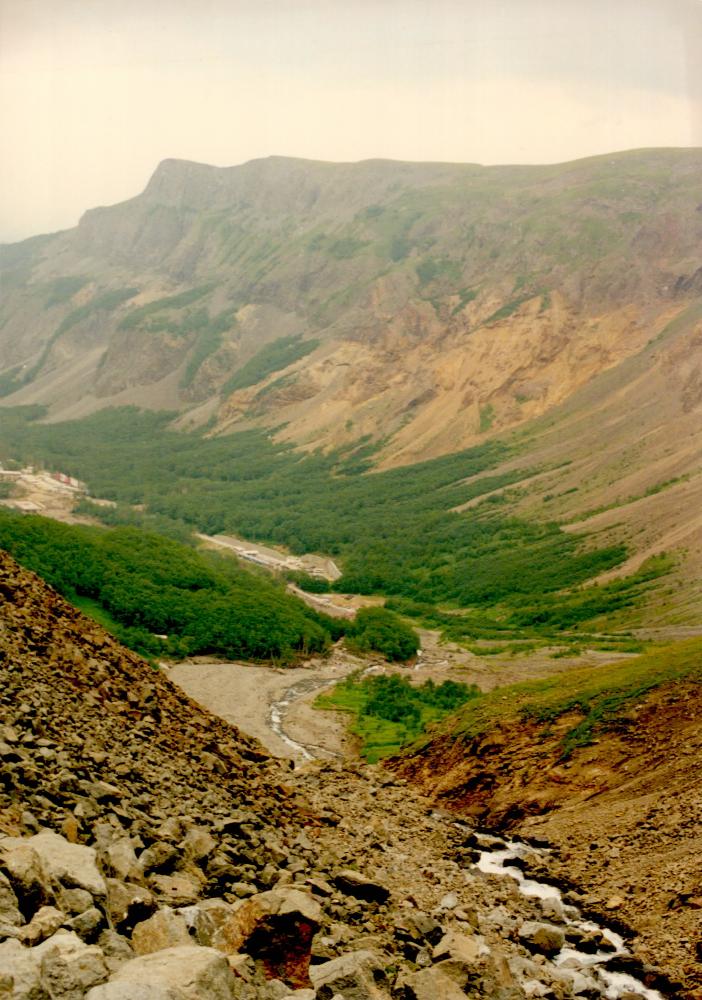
(275, 705)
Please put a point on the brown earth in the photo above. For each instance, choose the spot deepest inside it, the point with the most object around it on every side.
(193, 853)
(624, 814)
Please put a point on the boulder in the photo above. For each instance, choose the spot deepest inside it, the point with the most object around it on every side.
(128, 904)
(430, 984)
(547, 939)
(20, 972)
(87, 924)
(206, 919)
(355, 976)
(9, 906)
(198, 843)
(160, 857)
(26, 873)
(133, 991)
(121, 861)
(191, 972)
(74, 865)
(115, 948)
(69, 967)
(74, 901)
(178, 890)
(276, 928)
(418, 926)
(467, 948)
(354, 884)
(165, 929)
(45, 922)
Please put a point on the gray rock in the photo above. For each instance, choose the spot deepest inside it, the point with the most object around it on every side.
(449, 901)
(198, 843)
(69, 967)
(128, 904)
(160, 857)
(205, 920)
(467, 948)
(430, 984)
(45, 922)
(134, 991)
(115, 948)
(354, 884)
(121, 861)
(276, 928)
(543, 938)
(178, 889)
(192, 972)
(87, 924)
(27, 875)
(419, 926)
(75, 901)
(20, 972)
(355, 976)
(9, 906)
(74, 865)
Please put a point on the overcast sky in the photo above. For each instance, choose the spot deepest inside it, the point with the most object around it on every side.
(94, 93)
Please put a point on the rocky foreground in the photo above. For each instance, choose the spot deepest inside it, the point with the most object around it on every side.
(148, 850)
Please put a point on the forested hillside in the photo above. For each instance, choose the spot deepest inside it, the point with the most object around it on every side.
(163, 598)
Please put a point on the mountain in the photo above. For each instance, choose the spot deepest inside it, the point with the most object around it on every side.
(421, 305)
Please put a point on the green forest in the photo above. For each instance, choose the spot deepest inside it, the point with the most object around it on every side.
(393, 532)
(141, 585)
(390, 712)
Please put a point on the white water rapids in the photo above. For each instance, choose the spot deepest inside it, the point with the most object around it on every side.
(495, 857)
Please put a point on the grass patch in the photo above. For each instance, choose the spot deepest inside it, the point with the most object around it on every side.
(60, 290)
(273, 357)
(389, 712)
(137, 316)
(601, 696)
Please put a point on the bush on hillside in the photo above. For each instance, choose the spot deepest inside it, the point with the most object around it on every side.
(381, 631)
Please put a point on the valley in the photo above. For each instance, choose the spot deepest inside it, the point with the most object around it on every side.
(412, 915)
(351, 566)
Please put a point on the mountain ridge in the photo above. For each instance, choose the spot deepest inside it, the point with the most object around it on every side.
(411, 271)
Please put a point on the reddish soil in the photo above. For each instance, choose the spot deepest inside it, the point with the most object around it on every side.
(623, 815)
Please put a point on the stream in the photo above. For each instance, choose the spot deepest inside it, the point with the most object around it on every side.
(498, 856)
(276, 718)
(589, 948)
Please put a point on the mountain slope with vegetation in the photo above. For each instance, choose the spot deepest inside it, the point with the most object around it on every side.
(425, 305)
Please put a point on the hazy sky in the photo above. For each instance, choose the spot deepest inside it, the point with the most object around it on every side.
(93, 93)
